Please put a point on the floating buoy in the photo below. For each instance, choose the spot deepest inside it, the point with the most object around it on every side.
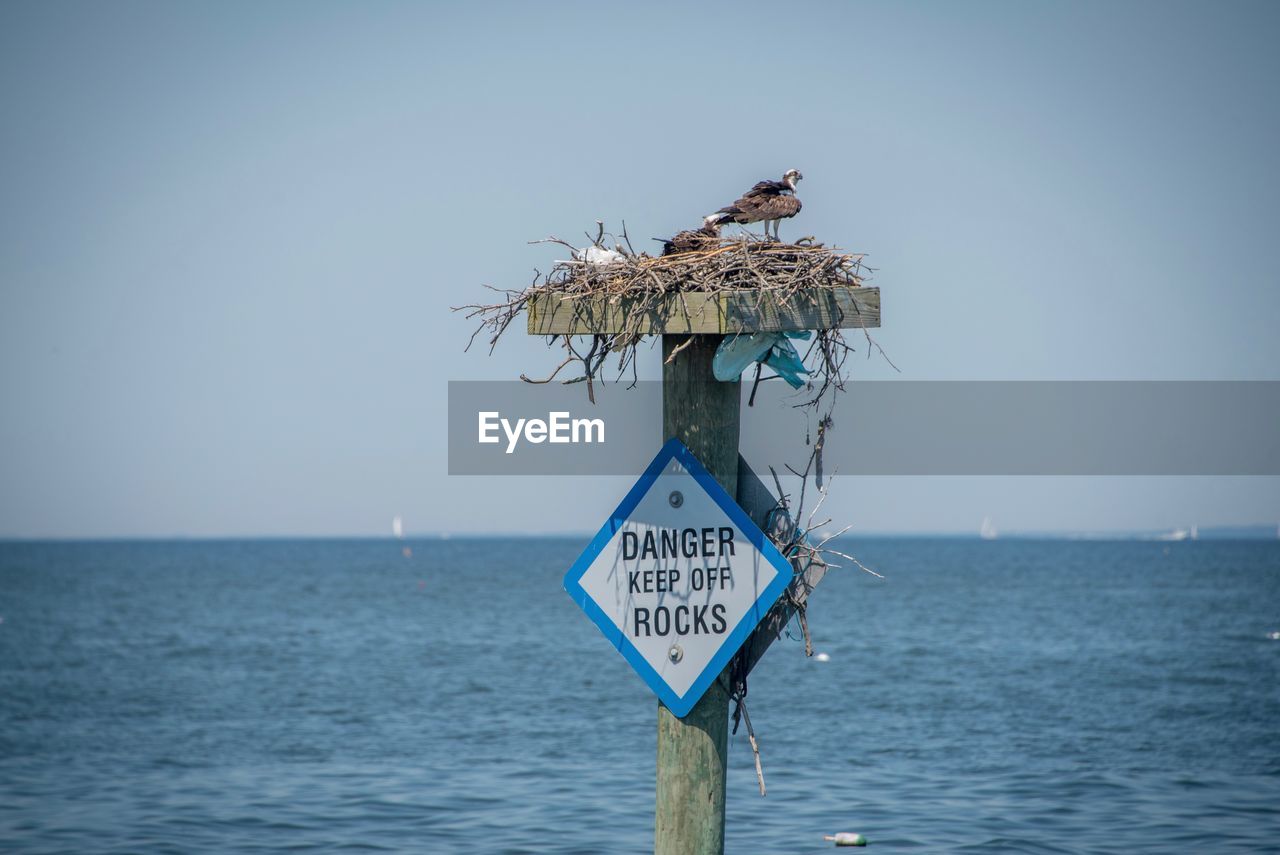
(846, 838)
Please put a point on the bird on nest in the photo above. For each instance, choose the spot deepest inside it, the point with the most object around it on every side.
(767, 202)
(690, 240)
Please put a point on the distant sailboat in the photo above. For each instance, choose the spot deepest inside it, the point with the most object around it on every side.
(397, 528)
(988, 530)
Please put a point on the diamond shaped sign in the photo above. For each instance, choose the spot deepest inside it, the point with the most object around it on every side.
(678, 577)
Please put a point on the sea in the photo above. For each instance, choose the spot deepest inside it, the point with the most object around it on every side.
(446, 695)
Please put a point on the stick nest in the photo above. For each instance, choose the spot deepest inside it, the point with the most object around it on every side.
(707, 264)
(719, 264)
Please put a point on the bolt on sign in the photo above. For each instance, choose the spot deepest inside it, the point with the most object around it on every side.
(678, 577)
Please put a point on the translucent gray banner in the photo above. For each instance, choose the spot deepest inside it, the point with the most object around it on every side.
(889, 428)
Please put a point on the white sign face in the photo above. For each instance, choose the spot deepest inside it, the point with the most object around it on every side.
(678, 578)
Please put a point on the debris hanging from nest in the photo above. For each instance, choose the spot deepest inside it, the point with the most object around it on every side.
(700, 263)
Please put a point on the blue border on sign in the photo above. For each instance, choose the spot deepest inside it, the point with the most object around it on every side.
(675, 450)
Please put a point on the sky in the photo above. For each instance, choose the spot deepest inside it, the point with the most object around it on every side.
(231, 234)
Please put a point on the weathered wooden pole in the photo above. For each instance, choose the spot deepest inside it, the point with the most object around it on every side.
(693, 752)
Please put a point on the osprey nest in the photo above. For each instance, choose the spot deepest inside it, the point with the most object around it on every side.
(637, 285)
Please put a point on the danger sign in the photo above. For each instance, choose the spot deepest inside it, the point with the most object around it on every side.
(678, 577)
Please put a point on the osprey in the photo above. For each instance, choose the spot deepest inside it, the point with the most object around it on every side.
(693, 239)
(767, 202)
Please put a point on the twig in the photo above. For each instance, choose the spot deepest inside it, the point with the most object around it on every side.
(877, 346)
(802, 614)
(755, 384)
(671, 357)
(554, 239)
(550, 377)
(855, 561)
(755, 748)
(626, 238)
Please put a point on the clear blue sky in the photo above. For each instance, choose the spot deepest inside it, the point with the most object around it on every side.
(230, 233)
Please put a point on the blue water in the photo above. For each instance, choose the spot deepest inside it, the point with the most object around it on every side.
(987, 696)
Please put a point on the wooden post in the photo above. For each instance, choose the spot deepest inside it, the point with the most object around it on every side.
(693, 752)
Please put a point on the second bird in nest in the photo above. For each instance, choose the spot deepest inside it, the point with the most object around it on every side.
(692, 240)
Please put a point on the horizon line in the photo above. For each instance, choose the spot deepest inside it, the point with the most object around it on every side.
(1238, 531)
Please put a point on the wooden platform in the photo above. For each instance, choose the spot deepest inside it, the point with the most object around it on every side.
(721, 313)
